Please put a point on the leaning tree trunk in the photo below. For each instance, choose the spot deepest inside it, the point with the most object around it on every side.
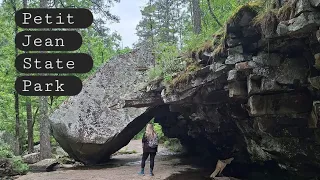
(196, 18)
(45, 146)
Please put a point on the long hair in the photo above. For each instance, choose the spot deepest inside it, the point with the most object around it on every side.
(150, 133)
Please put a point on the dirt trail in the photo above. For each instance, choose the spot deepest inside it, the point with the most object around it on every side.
(121, 167)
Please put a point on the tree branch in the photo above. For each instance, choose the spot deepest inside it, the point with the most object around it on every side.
(213, 15)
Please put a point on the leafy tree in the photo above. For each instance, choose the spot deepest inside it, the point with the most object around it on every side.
(183, 24)
(162, 22)
(99, 42)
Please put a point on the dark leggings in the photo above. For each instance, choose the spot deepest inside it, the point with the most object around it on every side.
(145, 156)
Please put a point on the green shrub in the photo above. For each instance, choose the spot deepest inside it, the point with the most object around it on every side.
(123, 51)
(19, 166)
(195, 41)
(126, 151)
(158, 129)
(154, 73)
(140, 134)
(167, 62)
(5, 151)
(173, 144)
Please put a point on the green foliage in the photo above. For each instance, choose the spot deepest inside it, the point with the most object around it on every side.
(194, 41)
(123, 51)
(5, 151)
(163, 22)
(126, 151)
(155, 73)
(140, 134)
(167, 62)
(168, 78)
(173, 144)
(19, 166)
(158, 130)
(157, 29)
(223, 10)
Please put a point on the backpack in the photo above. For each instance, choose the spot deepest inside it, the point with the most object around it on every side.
(153, 143)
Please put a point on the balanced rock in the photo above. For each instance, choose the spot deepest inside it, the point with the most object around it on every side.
(93, 125)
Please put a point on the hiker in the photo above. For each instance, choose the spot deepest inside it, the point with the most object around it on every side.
(150, 147)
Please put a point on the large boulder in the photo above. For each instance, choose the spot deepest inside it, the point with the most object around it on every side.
(92, 125)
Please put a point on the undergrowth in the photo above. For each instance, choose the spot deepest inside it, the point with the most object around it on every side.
(5, 151)
(126, 151)
(269, 16)
(176, 71)
(18, 166)
(173, 144)
(185, 76)
(167, 62)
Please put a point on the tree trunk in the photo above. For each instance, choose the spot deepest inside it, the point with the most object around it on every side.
(19, 143)
(196, 11)
(167, 23)
(18, 149)
(151, 30)
(29, 125)
(102, 58)
(45, 146)
(29, 110)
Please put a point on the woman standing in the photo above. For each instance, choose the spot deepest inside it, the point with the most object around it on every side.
(150, 147)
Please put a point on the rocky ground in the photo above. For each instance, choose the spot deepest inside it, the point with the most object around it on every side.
(122, 167)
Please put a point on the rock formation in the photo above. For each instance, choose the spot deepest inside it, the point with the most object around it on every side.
(256, 97)
(91, 126)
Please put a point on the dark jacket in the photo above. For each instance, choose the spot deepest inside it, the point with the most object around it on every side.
(146, 147)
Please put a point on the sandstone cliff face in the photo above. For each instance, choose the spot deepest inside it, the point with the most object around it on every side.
(256, 97)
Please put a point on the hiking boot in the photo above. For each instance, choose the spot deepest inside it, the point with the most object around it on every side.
(141, 172)
(151, 173)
